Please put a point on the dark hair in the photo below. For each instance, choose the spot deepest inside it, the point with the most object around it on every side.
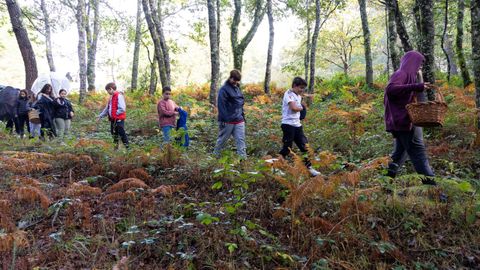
(166, 89)
(298, 81)
(23, 91)
(62, 90)
(45, 87)
(111, 85)
(236, 75)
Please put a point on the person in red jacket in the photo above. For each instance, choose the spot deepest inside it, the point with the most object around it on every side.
(116, 110)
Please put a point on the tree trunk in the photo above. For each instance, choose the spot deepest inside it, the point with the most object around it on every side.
(238, 48)
(401, 29)
(214, 49)
(156, 43)
(268, 71)
(451, 54)
(158, 21)
(153, 74)
(459, 44)
(366, 43)
(392, 35)
(80, 16)
(444, 36)
(92, 42)
(24, 44)
(475, 15)
(48, 36)
(428, 43)
(306, 60)
(136, 46)
(418, 23)
(313, 49)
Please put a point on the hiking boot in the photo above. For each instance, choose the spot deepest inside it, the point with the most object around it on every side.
(313, 172)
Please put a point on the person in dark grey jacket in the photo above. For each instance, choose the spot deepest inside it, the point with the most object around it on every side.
(21, 113)
(231, 117)
(63, 114)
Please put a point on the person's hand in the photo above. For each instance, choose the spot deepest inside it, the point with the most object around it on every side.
(16, 116)
(428, 86)
(98, 119)
(176, 113)
(71, 114)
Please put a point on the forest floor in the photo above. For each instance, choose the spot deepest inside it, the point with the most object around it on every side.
(77, 203)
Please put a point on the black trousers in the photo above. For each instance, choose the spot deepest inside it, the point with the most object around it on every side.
(20, 123)
(293, 134)
(117, 128)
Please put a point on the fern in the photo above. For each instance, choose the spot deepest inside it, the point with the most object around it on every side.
(127, 184)
(6, 221)
(141, 174)
(17, 238)
(77, 190)
(120, 196)
(31, 195)
(167, 190)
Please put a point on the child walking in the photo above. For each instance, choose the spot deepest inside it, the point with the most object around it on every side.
(167, 112)
(63, 114)
(291, 126)
(21, 113)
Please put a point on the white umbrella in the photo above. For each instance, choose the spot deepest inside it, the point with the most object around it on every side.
(55, 79)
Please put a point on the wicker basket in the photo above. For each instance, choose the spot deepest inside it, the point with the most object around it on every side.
(34, 116)
(428, 114)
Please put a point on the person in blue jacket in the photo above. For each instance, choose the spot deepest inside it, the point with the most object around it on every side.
(184, 139)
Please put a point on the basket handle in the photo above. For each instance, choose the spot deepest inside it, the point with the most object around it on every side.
(439, 97)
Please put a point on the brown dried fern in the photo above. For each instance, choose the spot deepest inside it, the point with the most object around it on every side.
(128, 196)
(167, 190)
(127, 184)
(141, 174)
(31, 195)
(77, 190)
(17, 238)
(6, 221)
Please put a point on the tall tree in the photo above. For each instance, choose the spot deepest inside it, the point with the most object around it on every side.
(80, 17)
(156, 11)
(459, 44)
(156, 43)
(338, 45)
(401, 29)
(316, 31)
(366, 43)
(24, 44)
(136, 46)
(325, 8)
(428, 42)
(92, 39)
(213, 27)
(392, 34)
(48, 35)
(444, 37)
(418, 24)
(239, 46)
(271, 37)
(306, 60)
(475, 14)
(153, 71)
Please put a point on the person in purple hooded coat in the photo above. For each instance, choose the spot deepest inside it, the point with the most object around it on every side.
(400, 91)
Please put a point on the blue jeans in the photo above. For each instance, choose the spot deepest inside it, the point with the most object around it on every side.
(237, 131)
(166, 133)
(410, 143)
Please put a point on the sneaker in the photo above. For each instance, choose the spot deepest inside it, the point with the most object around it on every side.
(313, 172)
